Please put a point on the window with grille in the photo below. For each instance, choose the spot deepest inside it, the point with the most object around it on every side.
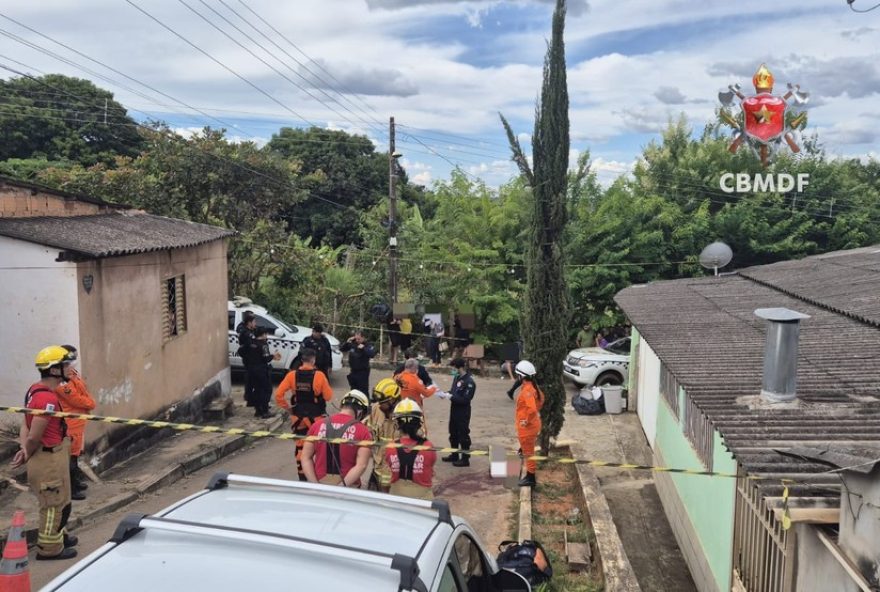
(669, 388)
(174, 307)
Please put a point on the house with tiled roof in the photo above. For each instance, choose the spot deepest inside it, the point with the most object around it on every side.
(143, 297)
(770, 373)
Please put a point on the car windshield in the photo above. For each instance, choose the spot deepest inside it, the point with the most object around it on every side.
(621, 346)
(283, 325)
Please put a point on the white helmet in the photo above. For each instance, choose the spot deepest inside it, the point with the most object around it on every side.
(525, 369)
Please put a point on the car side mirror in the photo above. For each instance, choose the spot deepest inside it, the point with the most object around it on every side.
(279, 332)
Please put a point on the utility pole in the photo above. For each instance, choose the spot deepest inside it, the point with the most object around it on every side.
(392, 215)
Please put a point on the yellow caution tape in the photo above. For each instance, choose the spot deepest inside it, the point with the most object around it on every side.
(363, 443)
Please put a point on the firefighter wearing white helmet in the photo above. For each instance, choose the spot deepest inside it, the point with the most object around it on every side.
(45, 448)
(336, 462)
(528, 418)
(411, 459)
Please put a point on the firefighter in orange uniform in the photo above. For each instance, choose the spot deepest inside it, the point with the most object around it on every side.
(412, 387)
(75, 398)
(528, 418)
(304, 393)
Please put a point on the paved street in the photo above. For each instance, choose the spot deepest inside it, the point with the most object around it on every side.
(484, 502)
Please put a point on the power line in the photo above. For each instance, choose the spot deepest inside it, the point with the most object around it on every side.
(112, 69)
(304, 66)
(850, 3)
(278, 182)
(252, 53)
(441, 133)
(219, 63)
(307, 57)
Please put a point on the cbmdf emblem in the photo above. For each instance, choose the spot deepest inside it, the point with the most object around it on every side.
(764, 121)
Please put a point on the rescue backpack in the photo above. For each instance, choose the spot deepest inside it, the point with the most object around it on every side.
(527, 558)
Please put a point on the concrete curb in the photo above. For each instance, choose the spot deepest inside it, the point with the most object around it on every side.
(617, 570)
(189, 464)
(525, 513)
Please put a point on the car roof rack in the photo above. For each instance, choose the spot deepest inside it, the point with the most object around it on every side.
(222, 479)
(407, 566)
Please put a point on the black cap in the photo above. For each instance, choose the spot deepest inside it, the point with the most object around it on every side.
(457, 363)
(318, 328)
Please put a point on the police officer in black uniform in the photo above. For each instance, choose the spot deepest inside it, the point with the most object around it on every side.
(360, 352)
(462, 393)
(318, 342)
(248, 351)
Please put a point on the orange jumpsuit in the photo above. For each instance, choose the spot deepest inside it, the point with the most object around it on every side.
(75, 398)
(301, 420)
(412, 387)
(528, 420)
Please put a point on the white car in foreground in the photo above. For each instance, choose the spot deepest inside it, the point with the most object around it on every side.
(283, 338)
(595, 366)
(252, 533)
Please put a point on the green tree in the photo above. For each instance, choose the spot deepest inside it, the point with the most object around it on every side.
(57, 117)
(545, 313)
(335, 167)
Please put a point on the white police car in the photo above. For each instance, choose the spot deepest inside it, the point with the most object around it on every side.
(595, 366)
(283, 338)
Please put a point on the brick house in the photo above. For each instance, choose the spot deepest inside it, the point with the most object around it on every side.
(143, 297)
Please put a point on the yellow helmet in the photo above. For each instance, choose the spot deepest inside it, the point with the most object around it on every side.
(407, 410)
(386, 390)
(50, 356)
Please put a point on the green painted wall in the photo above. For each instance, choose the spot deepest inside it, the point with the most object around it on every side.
(709, 501)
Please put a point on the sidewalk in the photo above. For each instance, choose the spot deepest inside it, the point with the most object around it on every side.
(632, 498)
(163, 464)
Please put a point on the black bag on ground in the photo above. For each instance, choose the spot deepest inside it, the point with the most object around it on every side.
(527, 558)
(588, 406)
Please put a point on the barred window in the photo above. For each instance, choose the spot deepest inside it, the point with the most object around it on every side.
(174, 307)
(669, 388)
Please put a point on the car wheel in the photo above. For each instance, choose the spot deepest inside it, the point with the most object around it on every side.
(609, 379)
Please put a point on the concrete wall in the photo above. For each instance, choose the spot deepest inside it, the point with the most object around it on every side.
(130, 369)
(817, 569)
(700, 509)
(23, 202)
(860, 522)
(648, 389)
(39, 297)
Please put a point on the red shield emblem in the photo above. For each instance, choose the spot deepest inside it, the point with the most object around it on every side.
(765, 117)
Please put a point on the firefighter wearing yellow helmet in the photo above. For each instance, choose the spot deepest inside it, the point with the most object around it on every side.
(386, 395)
(45, 449)
(411, 461)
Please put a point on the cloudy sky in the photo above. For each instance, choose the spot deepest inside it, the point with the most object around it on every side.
(446, 68)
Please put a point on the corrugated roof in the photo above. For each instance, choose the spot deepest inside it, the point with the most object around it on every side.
(705, 332)
(113, 234)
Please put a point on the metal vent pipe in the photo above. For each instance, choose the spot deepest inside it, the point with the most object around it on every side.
(780, 353)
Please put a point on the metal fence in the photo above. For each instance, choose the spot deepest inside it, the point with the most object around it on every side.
(763, 553)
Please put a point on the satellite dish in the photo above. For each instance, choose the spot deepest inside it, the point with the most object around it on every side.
(716, 255)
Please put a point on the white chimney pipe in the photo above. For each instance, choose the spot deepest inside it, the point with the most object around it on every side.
(780, 353)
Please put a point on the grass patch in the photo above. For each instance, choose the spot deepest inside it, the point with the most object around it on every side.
(558, 510)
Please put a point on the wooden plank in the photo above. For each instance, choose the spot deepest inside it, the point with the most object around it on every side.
(811, 515)
(578, 555)
(525, 513)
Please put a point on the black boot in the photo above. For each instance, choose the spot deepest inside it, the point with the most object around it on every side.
(70, 540)
(528, 480)
(66, 553)
(463, 460)
(453, 458)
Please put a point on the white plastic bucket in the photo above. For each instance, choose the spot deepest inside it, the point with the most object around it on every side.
(613, 396)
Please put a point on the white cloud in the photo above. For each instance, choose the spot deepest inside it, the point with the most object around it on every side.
(423, 178)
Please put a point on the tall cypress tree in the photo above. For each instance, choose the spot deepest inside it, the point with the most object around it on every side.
(545, 313)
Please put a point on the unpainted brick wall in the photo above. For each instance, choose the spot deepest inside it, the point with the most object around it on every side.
(23, 202)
